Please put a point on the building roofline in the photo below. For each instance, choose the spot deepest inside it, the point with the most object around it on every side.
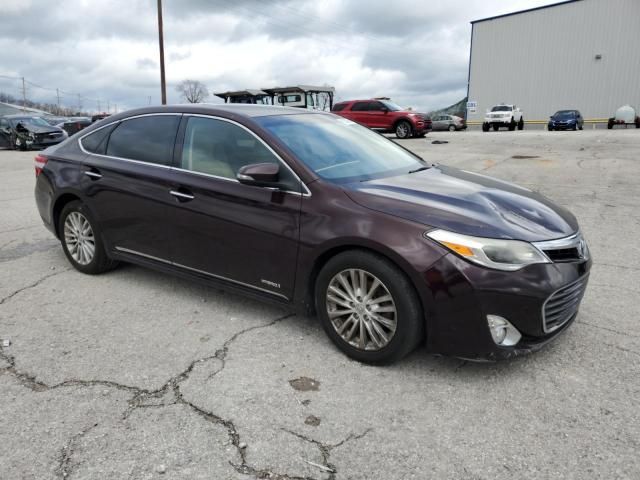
(524, 11)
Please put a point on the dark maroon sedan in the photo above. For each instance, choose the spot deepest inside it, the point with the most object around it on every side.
(314, 210)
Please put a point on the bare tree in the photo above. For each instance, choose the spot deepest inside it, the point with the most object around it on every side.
(192, 91)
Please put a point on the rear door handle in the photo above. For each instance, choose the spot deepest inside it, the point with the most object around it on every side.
(94, 175)
(181, 196)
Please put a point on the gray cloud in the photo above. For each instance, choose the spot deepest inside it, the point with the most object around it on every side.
(415, 52)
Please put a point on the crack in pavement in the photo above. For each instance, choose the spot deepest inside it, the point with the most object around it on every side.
(326, 448)
(171, 387)
(65, 467)
(21, 228)
(33, 285)
(613, 330)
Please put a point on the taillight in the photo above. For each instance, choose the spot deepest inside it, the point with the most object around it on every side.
(39, 162)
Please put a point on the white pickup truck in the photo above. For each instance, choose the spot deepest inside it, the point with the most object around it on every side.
(503, 115)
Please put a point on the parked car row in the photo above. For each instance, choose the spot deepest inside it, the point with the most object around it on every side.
(24, 132)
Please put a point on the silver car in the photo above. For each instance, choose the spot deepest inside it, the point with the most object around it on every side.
(448, 122)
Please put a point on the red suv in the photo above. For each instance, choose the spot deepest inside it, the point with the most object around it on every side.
(384, 115)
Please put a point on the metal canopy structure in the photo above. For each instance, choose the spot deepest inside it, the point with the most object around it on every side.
(301, 96)
(246, 96)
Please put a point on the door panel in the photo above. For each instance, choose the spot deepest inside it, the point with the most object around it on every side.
(218, 226)
(238, 232)
(126, 177)
(131, 203)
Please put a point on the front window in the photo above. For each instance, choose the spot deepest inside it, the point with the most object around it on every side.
(564, 114)
(391, 106)
(338, 149)
(501, 108)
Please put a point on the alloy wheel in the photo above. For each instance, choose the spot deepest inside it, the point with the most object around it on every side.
(402, 130)
(361, 309)
(79, 238)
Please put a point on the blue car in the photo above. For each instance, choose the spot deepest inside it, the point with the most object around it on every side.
(566, 120)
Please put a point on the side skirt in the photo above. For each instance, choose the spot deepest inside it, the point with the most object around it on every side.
(200, 277)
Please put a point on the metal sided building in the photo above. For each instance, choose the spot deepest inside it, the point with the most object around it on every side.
(577, 54)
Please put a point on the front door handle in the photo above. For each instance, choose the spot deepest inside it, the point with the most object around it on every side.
(182, 196)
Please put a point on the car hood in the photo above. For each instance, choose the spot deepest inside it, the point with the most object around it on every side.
(467, 203)
(40, 129)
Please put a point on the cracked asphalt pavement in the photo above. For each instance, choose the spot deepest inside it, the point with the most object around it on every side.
(136, 374)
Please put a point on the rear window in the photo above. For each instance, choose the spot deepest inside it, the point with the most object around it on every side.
(96, 142)
(146, 139)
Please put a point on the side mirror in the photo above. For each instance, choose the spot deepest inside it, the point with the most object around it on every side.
(259, 174)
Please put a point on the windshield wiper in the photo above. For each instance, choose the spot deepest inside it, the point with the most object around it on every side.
(419, 169)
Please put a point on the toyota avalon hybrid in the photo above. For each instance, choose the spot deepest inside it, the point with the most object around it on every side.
(313, 210)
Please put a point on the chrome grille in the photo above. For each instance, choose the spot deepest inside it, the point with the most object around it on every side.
(562, 305)
(569, 249)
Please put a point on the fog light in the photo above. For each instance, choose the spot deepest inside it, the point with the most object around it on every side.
(502, 332)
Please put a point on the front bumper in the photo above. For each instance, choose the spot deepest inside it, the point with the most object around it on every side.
(498, 121)
(464, 294)
(422, 127)
(562, 126)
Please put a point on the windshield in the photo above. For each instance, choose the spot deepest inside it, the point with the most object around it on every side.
(391, 106)
(564, 114)
(32, 120)
(501, 108)
(338, 149)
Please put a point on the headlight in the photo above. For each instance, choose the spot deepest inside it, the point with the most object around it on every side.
(495, 253)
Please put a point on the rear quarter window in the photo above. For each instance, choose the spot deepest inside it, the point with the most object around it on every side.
(338, 107)
(96, 142)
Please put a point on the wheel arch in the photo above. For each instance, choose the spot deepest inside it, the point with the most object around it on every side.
(58, 206)
(426, 303)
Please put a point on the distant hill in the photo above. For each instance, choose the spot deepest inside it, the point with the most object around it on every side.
(459, 109)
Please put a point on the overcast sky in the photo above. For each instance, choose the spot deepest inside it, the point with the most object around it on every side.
(415, 52)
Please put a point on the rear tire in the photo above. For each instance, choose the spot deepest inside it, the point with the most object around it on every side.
(610, 124)
(403, 129)
(81, 240)
(349, 322)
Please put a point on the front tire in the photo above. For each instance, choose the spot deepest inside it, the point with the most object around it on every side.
(496, 127)
(452, 128)
(81, 240)
(403, 129)
(512, 125)
(521, 123)
(368, 307)
(485, 127)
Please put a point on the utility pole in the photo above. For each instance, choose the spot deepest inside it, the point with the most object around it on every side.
(24, 96)
(58, 95)
(163, 85)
